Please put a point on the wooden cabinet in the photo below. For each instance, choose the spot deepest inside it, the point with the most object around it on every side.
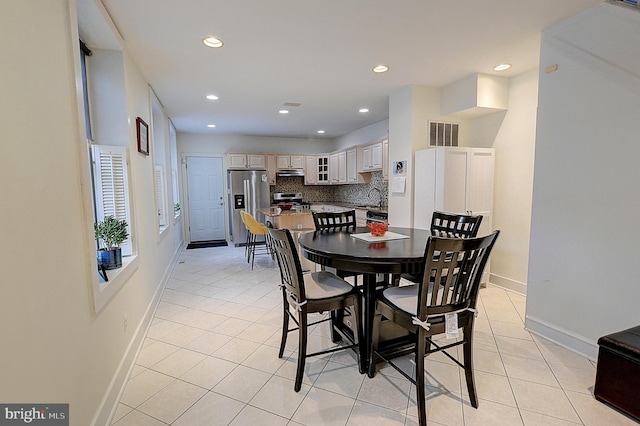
(371, 157)
(338, 168)
(246, 161)
(316, 170)
(271, 168)
(385, 159)
(454, 180)
(290, 161)
(353, 176)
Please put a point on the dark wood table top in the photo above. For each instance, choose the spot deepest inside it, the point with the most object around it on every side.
(342, 251)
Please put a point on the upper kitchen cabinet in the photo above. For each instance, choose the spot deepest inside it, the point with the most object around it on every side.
(246, 161)
(338, 168)
(290, 161)
(385, 159)
(371, 157)
(352, 168)
(316, 170)
(271, 168)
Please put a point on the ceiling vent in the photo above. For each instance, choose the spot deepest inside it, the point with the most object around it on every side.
(443, 134)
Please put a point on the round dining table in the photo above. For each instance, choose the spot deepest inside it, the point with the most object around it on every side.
(400, 251)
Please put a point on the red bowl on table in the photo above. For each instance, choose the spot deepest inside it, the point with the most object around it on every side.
(378, 229)
(285, 206)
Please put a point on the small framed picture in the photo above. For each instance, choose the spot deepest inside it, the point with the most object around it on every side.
(400, 168)
(143, 136)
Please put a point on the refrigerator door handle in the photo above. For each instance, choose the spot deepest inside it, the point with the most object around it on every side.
(247, 193)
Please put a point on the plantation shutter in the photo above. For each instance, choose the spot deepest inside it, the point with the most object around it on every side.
(161, 196)
(112, 186)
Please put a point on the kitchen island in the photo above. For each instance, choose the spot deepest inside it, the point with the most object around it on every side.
(290, 219)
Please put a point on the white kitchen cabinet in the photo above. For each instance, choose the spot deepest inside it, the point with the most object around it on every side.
(385, 159)
(455, 180)
(246, 161)
(322, 171)
(338, 168)
(290, 161)
(310, 170)
(372, 157)
(271, 168)
(353, 176)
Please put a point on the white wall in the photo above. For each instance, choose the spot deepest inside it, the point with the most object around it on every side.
(583, 276)
(372, 133)
(512, 134)
(54, 347)
(221, 144)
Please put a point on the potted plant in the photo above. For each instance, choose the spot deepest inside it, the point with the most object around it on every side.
(110, 233)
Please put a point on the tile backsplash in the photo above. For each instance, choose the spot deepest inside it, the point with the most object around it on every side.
(353, 194)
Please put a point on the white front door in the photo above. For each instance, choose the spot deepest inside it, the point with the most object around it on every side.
(205, 189)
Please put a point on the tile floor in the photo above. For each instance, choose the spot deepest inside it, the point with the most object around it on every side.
(210, 358)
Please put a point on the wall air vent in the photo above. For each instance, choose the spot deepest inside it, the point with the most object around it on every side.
(443, 134)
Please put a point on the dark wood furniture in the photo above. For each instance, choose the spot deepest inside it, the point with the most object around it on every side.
(448, 225)
(618, 372)
(450, 286)
(342, 251)
(303, 294)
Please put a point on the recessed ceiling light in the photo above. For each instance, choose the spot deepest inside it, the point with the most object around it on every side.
(502, 67)
(212, 42)
(380, 68)
(321, 131)
(363, 110)
(212, 97)
(211, 125)
(284, 111)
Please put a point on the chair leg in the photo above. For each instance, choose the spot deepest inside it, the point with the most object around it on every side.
(285, 324)
(468, 365)
(358, 334)
(337, 317)
(302, 348)
(253, 249)
(420, 392)
(375, 338)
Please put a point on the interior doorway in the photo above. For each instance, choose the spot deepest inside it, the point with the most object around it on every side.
(205, 199)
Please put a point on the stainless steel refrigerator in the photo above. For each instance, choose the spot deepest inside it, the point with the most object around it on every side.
(248, 191)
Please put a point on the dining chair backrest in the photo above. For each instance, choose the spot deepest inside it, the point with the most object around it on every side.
(332, 221)
(455, 225)
(289, 263)
(457, 264)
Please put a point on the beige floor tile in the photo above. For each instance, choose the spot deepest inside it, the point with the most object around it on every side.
(160, 328)
(556, 354)
(278, 397)
(172, 401)
(320, 407)
(312, 368)
(236, 350)
(341, 379)
(136, 418)
(491, 387)
(488, 361)
(529, 370)
(385, 391)
(595, 413)
(543, 399)
(507, 329)
(518, 347)
(209, 372)
(365, 414)
(242, 384)
(167, 310)
(255, 416)
(154, 351)
(121, 411)
(143, 386)
(178, 362)
(231, 326)
(491, 413)
(574, 379)
(505, 315)
(442, 375)
(259, 333)
(442, 407)
(265, 358)
(212, 409)
(536, 419)
(182, 336)
(209, 342)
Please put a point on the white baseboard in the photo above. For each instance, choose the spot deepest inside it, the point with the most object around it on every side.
(565, 338)
(109, 403)
(508, 283)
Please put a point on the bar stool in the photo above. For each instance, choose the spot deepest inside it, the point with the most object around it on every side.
(255, 229)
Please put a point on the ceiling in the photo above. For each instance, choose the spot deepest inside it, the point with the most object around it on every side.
(318, 53)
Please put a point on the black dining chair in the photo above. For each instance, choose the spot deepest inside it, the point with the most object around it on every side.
(303, 294)
(450, 285)
(447, 225)
(336, 222)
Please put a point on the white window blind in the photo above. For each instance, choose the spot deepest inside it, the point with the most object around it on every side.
(161, 197)
(112, 186)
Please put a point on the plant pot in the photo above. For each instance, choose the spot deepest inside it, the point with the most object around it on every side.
(111, 259)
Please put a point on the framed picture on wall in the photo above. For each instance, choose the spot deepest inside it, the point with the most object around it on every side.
(143, 136)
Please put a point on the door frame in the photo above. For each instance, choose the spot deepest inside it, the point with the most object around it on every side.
(184, 190)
